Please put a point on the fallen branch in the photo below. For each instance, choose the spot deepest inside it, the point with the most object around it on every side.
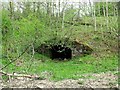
(82, 23)
(19, 75)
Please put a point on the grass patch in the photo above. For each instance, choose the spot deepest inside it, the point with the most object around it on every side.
(72, 69)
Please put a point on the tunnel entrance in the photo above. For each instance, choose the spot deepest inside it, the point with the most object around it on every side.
(61, 52)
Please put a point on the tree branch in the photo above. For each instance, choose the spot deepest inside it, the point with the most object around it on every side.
(19, 75)
(16, 58)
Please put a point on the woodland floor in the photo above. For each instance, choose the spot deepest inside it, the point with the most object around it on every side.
(101, 80)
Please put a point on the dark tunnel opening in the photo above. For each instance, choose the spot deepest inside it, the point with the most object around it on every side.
(61, 52)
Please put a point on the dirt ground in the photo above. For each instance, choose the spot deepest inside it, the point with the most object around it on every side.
(102, 80)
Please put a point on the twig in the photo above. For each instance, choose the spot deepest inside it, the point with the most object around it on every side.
(33, 52)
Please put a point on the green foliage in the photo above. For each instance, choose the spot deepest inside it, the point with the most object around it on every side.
(36, 28)
(6, 23)
(5, 77)
(20, 33)
(69, 14)
(28, 28)
(6, 30)
(100, 8)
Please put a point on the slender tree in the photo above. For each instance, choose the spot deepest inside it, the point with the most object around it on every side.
(94, 18)
(107, 14)
(11, 9)
(63, 14)
(34, 6)
(103, 10)
(59, 8)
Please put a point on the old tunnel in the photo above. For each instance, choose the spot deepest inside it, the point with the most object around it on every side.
(61, 51)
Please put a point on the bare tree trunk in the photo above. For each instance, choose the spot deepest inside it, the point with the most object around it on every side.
(18, 6)
(107, 14)
(48, 11)
(53, 9)
(99, 8)
(34, 6)
(114, 10)
(1, 35)
(59, 9)
(48, 14)
(38, 7)
(103, 10)
(11, 9)
(79, 11)
(63, 20)
(94, 18)
(63, 15)
(63, 9)
(91, 8)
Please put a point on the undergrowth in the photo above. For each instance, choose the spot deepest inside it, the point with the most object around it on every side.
(103, 42)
